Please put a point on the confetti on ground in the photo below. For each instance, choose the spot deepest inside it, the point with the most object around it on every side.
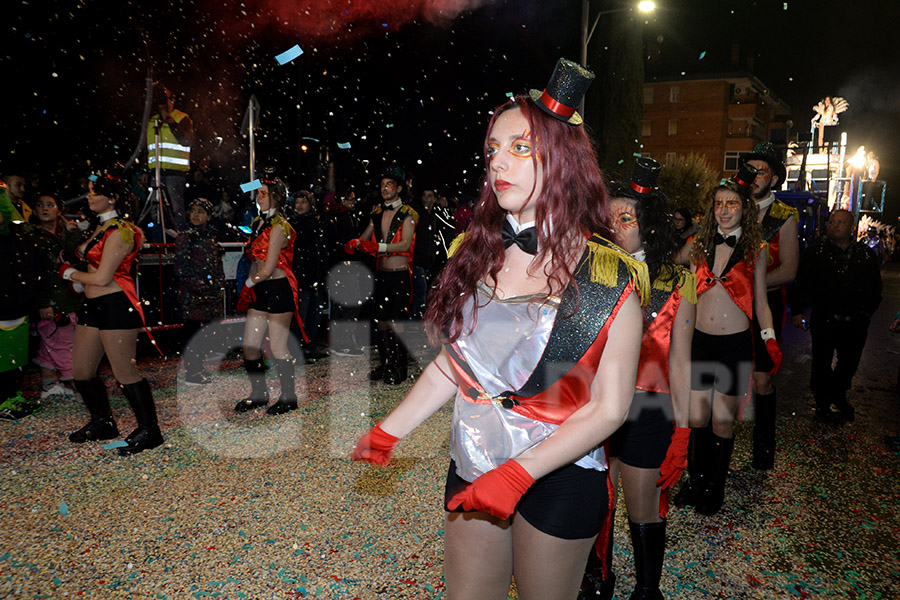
(115, 444)
(289, 54)
(258, 506)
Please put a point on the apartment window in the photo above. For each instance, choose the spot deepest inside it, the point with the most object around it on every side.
(675, 93)
(646, 130)
(732, 159)
(670, 159)
(648, 94)
(673, 126)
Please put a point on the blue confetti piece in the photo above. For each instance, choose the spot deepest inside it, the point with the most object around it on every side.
(702, 54)
(92, 177)
(289, 54)
(250, 186)
(389, 125)
(344, 145)
(64, 508)
(509, 94)
(115, 444)
(637, 155)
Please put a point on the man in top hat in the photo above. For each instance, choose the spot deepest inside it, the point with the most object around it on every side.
(390, 238)
(779, 229)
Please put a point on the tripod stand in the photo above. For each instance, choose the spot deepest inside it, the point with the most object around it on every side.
(158, 198)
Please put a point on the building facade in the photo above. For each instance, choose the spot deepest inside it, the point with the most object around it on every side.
(718, 117)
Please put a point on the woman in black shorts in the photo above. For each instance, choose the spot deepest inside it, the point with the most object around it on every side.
(649, 451)
(110, 319)
(540, 322)
(270, 298)
(731, 288)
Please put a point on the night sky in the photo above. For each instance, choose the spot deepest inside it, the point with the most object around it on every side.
(405, 80)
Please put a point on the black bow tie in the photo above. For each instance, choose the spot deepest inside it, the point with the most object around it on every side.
(525, 239)
(731, 240)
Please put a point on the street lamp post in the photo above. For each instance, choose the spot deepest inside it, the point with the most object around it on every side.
(644, 6)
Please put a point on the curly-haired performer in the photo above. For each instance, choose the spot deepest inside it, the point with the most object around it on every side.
(731, 287)
(525, 308)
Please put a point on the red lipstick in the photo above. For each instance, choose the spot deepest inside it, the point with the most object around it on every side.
(501, 185)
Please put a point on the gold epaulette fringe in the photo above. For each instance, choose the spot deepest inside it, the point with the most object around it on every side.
(412, 213)
(126, 233)
(780, 210)
(604, 268)
(687, 282)
(687, 285)
(455, 244)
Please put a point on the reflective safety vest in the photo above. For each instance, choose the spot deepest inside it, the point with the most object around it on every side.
(172, 155)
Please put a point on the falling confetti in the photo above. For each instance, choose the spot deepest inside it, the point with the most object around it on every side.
(289, 54)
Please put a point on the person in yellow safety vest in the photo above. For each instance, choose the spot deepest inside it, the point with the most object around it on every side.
(176, 133)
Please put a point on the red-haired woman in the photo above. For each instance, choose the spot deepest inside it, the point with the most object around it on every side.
(731, 288)
(110, 320)
(526, 307)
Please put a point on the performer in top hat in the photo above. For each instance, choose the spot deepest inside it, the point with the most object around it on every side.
(530, 300)
(390, 237)
(650, 449)
(778, 223)
(731, 287)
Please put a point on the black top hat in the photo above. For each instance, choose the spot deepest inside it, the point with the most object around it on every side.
(564, 91)
(770, 155)
(644, 176)
(745, 175)
(396, 173)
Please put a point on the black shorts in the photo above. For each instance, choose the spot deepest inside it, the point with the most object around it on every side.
(644, 439)
(393, 295)
(761, 359)
(274, 296)
(722, 362)
(112, 311)
(570, 503)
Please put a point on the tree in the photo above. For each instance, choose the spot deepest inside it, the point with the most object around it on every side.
(687, 182)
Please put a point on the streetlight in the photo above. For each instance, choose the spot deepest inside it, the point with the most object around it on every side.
(645, 6)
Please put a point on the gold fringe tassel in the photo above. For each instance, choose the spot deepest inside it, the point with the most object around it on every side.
(455, 244)
(603, 263)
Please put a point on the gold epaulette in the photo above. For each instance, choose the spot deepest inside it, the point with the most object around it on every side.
(126, 229)
(409, 210)
(455, 244)
(687, 281)
(780, 210)
(603, 261)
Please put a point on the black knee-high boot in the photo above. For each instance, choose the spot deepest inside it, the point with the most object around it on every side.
(719, 460)
(381, 343)
(287, 401)
(764, 432)
(396, 372)
(259, 393)
(649, 543)
(102, 426)
(693, 488)
(147, 434)
(593, 585)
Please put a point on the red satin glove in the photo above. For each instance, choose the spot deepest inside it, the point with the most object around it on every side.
(672, 466)
(775, 354)
(376, 447)
(247, 297)
(497, 492)
(350, 247)
(368, 246)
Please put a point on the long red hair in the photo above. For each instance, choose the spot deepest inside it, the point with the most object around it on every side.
(573, 197)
